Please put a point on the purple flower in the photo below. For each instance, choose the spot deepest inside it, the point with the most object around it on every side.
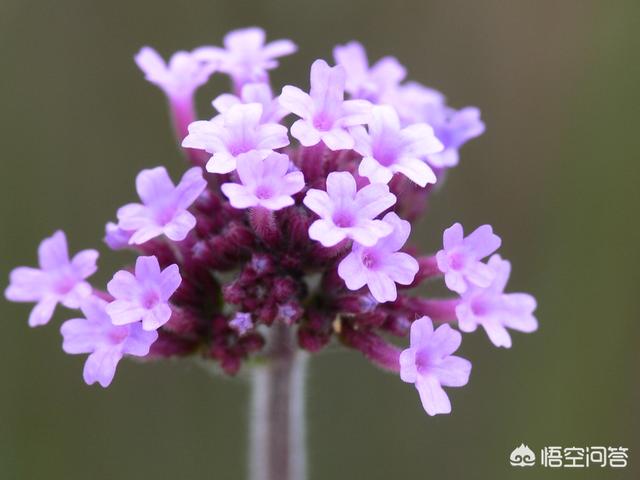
(245, 56)
(236, 131)
(387, 148)
(272, 111)
(411, 100)
(381, 266)
(143, 296)
(164, 206)
(495, 310)
(362, 81)
(58, 280)
(180, 77)
(105, 343)
(345, 213)
(428, 364)
(115, 237)
(264, 183)
(460, 259)
(241, 323)
(453, 128)
(324, 115)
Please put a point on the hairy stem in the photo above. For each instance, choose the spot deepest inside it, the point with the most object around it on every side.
(277, 443)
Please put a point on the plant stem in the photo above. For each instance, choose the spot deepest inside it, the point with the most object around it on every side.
(277, 443)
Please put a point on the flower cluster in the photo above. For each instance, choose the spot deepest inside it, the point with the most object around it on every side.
(296, 211)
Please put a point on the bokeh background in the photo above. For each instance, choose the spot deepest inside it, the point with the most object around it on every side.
(556, 174)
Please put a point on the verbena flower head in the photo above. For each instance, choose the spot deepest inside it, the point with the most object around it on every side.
(264, 182)
(237, 130)
(495, 310)
(305, 228)
(349, 213)
(460, 260)
(58, 280)
(430, 365)
(324, 114)
(105, 342)
(387, 148)
(163, 210)
(143, 296)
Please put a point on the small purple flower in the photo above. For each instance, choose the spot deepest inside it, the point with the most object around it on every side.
(381, 266)
(236, 131)
(430, 365)
(387, 148)
(362, 81)
(495, 310)
(180, 77)
(453, 128)
(264, 183)
(143, 296)
(411, 100)
(347, 213)
(324, 114)
(245, 56)
(460, 259)
(164, 205)
(105, 343)
(241, 323)
(115, 237)
(272, 111)
(58, 280)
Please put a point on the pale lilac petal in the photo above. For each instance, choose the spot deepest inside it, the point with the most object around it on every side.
(101, 366)
(381, 286)
(421, 331)
(408, 370)
(433, 397)
(74, 296)
(399, 235)
(352, 272)
(453, 371)
(375, 172)
(372, 200)
(452, 236)
(153, 185)
(123, 312)
(416, 170)
(483, 241)
(319, 202)
(401, 268)
(170, 280)
(239, 196)
(42, 311)
(190, 187)
(147, 269)
(296, 101)
(479, 274)
(139, 341)
(52, 252)
(84, 263)
(27, 284)
(221, 162)
(343, 185)
(444, 341)
(180, 226)
(277, 203)
(326, 233)
(156, 317)
(369, 232)
(79, 336)
(337, 139)
(305, 133)
(145, 233)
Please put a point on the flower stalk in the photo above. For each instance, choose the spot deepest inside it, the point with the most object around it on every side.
(277, 429)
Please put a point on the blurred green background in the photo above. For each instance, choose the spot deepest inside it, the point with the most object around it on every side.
(556, 173)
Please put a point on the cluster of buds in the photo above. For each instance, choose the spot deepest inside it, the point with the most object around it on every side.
(295, 212)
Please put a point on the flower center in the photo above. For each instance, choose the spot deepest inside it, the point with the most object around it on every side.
(149, 299)
(323, 122)
(65, 284)
(370, 260)
(264, 192)
(343, 219)
(118, 335)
